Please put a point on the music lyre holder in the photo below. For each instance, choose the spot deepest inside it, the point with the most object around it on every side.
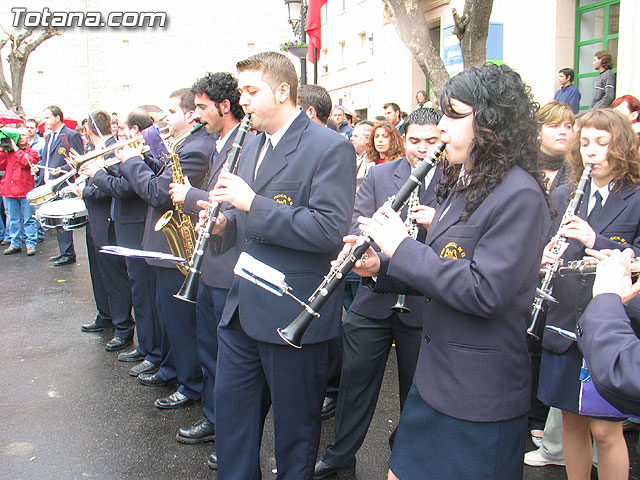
(267, 277)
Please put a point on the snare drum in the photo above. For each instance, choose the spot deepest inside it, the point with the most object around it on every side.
(40, 195)
(66, 214)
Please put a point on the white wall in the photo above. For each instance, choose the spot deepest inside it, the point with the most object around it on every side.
(85, 68)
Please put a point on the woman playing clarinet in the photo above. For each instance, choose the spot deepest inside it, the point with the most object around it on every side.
(608, 217)
(466, 412)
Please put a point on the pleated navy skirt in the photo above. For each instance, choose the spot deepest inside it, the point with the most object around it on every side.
(431, 445)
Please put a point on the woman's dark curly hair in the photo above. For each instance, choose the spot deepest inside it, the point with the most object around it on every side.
(504, 128)
(219, 87)
(396, 147)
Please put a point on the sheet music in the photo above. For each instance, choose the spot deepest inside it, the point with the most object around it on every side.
(132, 252)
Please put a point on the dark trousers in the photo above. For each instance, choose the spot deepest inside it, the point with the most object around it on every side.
(99, 294)
(250, 377)
(366, 347)
(209, 306)
(142, 280)
(178, 327)
(65, 242)
(115, 279)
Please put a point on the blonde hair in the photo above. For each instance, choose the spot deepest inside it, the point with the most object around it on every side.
(555, 113)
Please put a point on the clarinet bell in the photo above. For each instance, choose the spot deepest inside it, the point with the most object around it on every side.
(401, 305)
(545, 296)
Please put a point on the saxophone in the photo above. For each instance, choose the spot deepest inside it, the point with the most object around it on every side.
(412, 226)
(177, 226)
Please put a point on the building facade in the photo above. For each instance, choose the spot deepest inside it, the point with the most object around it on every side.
(364, 64)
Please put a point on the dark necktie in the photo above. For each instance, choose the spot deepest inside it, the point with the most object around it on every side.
(595, 211)
(52, 140)
(268, 151)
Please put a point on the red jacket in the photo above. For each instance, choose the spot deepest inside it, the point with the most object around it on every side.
(17, 180)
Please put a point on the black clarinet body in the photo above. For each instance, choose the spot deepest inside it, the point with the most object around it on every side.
(189, 287)
(292, 333)
(550, 270)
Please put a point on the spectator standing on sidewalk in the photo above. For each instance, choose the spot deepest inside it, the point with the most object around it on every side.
(15, 184)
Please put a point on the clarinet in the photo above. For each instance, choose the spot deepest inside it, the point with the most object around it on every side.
(401, 305)
(189, 287)
(551, 269)
(588, 267)
(292, 334)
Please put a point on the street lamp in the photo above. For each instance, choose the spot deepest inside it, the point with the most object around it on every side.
(297, 19)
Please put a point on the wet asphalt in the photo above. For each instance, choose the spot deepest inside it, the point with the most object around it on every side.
(69, 409)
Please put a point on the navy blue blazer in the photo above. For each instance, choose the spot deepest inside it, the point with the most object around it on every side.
(194, 153)
(608, 341)
(381, 182)
(129, 210)
(98, 207)
(217, 270)
(67, 139)
(617, 227)
(302, 209)
(479, 277)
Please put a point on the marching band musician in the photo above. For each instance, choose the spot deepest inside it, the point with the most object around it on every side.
(466, 413)
(128, 213)
(217, 107)
(608, 217)
(60, 141)
(179, 363)
(371, 326)
(293, 200)
(109, 272)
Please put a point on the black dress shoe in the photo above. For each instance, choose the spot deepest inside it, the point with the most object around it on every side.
(324, 470)
(213, 461)
(132, 356)
(175, 400)
(117, 343)
(143, 367)
(199, 432)
(65, 260)
(95, 327)
(328, 407)
(151, 380)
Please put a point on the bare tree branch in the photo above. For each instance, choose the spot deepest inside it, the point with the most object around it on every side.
(21, 45)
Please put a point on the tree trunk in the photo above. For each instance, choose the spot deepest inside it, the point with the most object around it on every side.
(413, 30)
(472, 31)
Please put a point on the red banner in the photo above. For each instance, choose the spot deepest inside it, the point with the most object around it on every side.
(314, 25)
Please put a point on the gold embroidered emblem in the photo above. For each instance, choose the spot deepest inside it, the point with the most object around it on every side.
(62, 151)
(452, 250)
(283, 199)
(618, 239)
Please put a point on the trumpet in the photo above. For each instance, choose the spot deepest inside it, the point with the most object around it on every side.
(292, 334)
(77, 160)
(546, 287)
(589, 266)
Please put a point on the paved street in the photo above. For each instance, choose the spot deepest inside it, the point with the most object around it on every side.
(69, 410)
